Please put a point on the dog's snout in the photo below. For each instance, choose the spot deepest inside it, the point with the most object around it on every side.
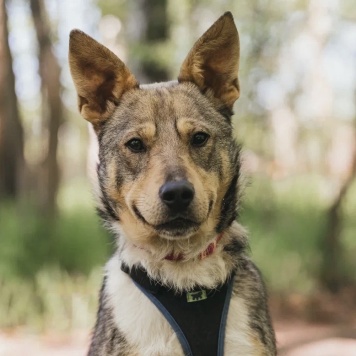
(177, 195)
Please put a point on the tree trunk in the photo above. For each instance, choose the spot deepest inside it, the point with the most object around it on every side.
(52, 107)
(12, 163)
(149, 30)
(331, 276)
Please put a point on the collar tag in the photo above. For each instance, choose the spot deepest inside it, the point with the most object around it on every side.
(196, 296)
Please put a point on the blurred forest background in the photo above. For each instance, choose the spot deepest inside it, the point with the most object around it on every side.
(296, 119)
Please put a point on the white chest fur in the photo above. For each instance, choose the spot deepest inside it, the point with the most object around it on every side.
(143, 325)
(148, 331)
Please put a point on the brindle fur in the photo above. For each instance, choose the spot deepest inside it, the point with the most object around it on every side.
(165, 117)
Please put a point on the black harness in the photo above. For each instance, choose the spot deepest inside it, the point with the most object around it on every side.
(197, 317)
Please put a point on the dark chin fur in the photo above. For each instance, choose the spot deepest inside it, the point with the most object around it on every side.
(105, 211)
(179, 233)
(226, 113)
(229, 207)
(174, 229)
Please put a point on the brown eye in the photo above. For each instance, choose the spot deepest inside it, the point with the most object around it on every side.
(135, 145)
(199, 139)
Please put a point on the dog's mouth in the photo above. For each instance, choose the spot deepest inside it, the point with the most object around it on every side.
(173, 227)
(178, 226)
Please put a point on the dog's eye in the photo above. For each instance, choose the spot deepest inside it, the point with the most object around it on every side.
(199, 139)
(136, 145)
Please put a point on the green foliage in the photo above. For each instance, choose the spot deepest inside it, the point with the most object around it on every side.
(348, 234)
(53, 300)
(75, 241)
(50, 271)
(286, 221)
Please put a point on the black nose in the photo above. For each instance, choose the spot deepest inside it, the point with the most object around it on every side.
(177, 195)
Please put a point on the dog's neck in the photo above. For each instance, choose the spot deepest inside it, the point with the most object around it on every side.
(210, 249)
(209, 267)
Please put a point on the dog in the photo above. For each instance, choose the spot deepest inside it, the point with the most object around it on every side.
(180, 282)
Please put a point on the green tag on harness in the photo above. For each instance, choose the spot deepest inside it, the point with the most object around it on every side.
(196, 296)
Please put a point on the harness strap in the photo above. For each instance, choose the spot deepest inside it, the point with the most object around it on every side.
(162, 297)
(223, 322)
(180, 335)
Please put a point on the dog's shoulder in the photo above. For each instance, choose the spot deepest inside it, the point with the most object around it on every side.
(249, 306)
(146, 330)
(107, 338)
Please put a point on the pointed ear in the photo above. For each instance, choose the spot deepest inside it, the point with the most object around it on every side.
(213, 62)
(99, 76)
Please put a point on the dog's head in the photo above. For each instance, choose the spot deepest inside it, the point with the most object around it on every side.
(169, 166)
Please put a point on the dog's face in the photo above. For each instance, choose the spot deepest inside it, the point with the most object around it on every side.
(165, 161)
(168, 162)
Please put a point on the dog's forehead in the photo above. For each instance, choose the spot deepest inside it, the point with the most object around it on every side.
(165, 103)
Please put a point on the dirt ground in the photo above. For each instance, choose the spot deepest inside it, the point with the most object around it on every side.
(304, 339)
(319, 325)
(296, 338)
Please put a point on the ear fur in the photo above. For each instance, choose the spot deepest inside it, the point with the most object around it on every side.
(213, 62)
(99, 76)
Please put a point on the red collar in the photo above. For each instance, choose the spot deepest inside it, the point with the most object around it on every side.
(207, 252)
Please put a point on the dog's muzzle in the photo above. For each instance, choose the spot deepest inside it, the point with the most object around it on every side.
(177, 220)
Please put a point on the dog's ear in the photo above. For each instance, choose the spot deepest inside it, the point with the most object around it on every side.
(99, 76)
(213, 62)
